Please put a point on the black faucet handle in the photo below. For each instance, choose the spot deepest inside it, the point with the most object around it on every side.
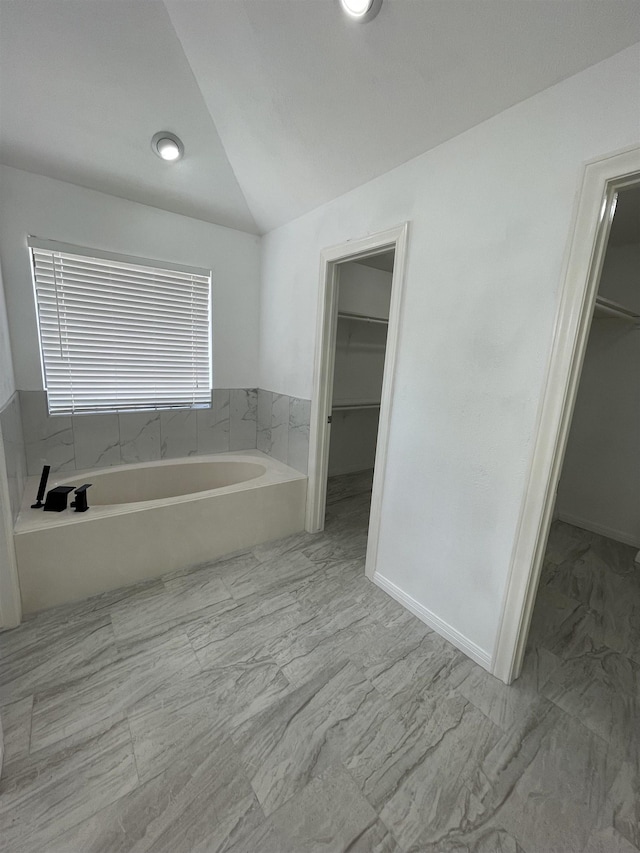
(80, 503)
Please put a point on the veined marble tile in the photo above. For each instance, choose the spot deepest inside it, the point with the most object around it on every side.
(161, 735)
(242, 418)
(213, 424)
(297, 738)
(563, 625)
(417, 780)
(621, 614)
(178, 433)
(347, 628)
(139, 436)
(624, 801)
(39, 656)
(489, 840)
(180, 599)
(170, 721)
(16, 730)
(547, 790)
(602, 690)
(506, 704)
(265, 838)
(246, 631)
(299, 429)
(348, 486)
(45, 795)
(97, 440)
(265, 399)
(269, 575)
(609, 841)
(112, 691)
(328, 814)
(48, 440)
(565, 543)
(420, 673)
(280, 427)
(201, 803)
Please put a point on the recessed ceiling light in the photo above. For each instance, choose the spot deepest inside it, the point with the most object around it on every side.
(361, 10)
(167, 146)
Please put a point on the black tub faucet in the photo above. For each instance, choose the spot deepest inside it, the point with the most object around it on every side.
(80, 503)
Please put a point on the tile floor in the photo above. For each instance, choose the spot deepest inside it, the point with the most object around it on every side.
(278, 702)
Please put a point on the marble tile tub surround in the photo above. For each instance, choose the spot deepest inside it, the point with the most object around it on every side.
(283, 428)
(279, 702)
(92, 441)
(14, 451)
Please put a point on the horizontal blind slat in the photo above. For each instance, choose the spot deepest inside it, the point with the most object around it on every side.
(121, 336)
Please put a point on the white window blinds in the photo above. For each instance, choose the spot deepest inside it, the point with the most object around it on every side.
(119, 334)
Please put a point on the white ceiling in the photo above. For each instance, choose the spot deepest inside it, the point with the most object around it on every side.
(282, 104)
(84, 85)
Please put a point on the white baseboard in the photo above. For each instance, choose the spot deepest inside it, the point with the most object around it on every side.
(445, 630)
(601, 529)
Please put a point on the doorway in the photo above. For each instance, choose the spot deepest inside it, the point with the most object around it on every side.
(357, 335)
(603, 182)
(364, 299)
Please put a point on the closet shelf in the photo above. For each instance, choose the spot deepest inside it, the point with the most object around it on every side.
(350, 407)
(608, 308)
(344, 315)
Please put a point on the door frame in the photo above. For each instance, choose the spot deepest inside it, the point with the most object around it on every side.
(395, 238)
(601, 179)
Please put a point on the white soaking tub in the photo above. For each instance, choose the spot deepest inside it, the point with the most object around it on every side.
(148, 519)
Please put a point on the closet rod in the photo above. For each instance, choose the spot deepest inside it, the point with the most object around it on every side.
(345, 407)
(344, 315)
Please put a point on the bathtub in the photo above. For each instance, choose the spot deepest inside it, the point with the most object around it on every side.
(152, 518)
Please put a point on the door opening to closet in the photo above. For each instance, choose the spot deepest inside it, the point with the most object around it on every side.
(357, 337)
(364, 297)
(584, 639)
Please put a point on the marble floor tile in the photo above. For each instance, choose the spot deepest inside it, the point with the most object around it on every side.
(602, 690)
(277, 701)
(179, 600)
(246, 632)
(48, 794)
(202, 802)
(273, 574)
(420, 786)
(16, 729)
(418, 674)
(283, 748)
(549, 791)
(506, 704)
(175, 718)
(328, 814)
(110, 692)
(608, 841)
(624, 802)
(37, 657)
(564, 626)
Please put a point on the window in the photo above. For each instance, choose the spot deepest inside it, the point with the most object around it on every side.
(120, 334)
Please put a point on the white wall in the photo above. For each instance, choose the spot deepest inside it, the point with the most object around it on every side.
(600, 483)
(7, 383)
(31, 204)
(9, 596)
(490, 214)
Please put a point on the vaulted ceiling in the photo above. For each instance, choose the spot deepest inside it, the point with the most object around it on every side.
(282, 105)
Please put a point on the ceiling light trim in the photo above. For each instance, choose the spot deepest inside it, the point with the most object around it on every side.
(165, 151)
(361, 11)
